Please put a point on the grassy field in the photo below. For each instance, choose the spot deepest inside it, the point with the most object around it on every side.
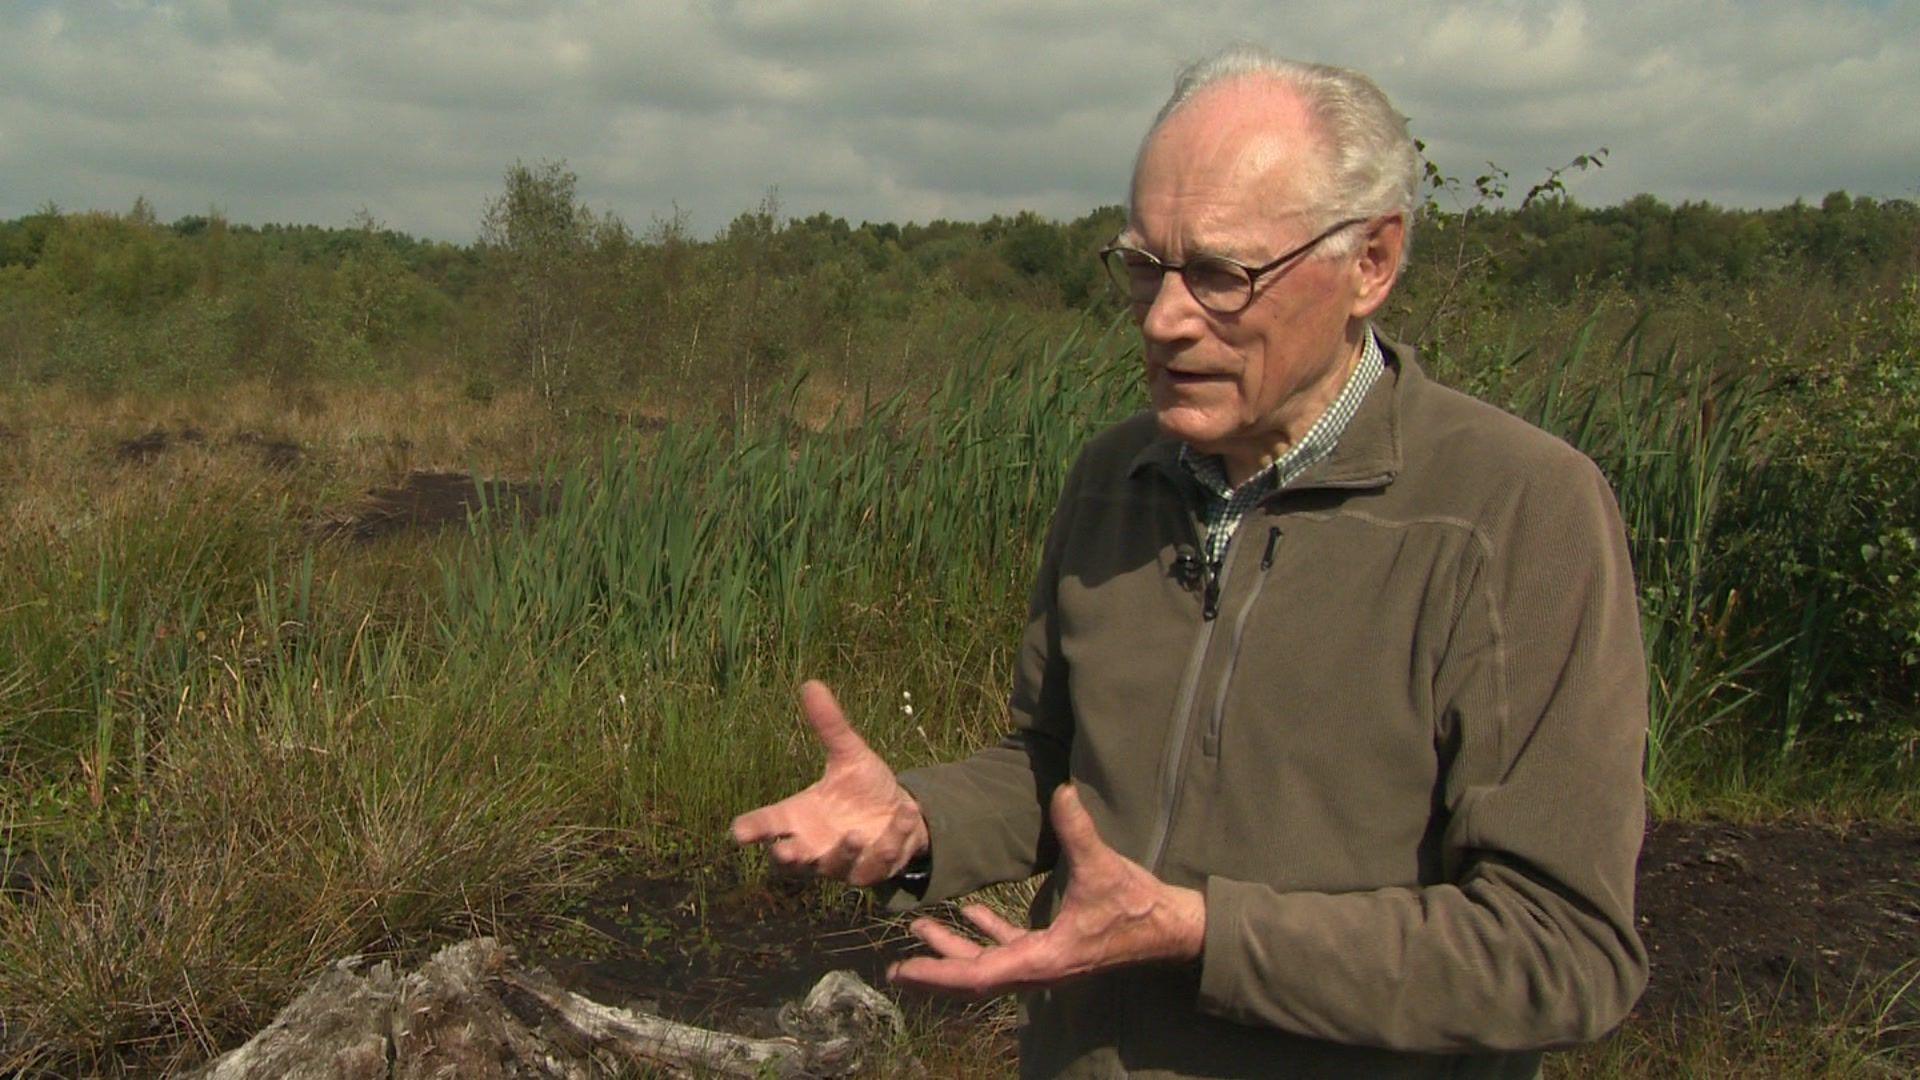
(239, 741)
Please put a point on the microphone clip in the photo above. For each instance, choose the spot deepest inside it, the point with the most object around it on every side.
(1188, 570)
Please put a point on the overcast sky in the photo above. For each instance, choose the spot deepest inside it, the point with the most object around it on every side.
(898, 110)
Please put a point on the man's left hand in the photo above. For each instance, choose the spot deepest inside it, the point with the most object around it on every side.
(1113, 914)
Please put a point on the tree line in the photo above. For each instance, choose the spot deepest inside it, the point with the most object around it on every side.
(576, 299)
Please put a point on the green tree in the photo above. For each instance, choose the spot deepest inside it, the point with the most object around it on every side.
(539, 234)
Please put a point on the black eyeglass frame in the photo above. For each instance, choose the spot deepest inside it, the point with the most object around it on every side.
(1251, 274)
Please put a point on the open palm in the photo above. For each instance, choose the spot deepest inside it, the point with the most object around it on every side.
(1112, 914)
(855, 823)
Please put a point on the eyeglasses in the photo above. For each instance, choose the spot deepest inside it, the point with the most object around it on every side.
(1223, 286)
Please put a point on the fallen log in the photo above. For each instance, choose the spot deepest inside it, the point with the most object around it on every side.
(472, 1011)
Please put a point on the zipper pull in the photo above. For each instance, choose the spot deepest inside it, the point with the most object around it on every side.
(1273, 538)
(1210, 602)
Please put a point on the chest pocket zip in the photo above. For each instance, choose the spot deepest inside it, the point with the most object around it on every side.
(1174, 764)
(1210, 745)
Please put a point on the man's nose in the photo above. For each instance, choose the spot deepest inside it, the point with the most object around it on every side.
(1173, 314)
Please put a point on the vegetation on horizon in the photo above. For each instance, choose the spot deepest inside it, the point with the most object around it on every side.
(585, 306)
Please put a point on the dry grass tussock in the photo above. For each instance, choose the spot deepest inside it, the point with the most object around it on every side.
(268, 843)
(1751, 1034)
(219, 768)
(58, 444)
(264, 833)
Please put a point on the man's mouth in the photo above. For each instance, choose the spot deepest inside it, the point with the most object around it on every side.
(1190, 377)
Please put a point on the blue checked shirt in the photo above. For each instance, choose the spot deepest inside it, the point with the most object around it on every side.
(1225, 506)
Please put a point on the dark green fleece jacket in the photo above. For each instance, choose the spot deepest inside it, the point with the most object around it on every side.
(1399, 752)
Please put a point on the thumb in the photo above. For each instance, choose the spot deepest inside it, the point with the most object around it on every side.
(1073, 827)
(829, 723)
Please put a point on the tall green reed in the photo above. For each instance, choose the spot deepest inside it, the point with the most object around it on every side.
(1679, 441)
(686, 582)
(223, 774)
(103, 625)
(715, 553)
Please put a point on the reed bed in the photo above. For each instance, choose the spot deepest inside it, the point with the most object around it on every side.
(235, 748)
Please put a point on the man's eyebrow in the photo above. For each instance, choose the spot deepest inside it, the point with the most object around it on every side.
(1240, 248)
(1230, 252)
(1224, 250)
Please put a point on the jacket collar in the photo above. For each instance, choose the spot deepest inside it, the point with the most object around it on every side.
(1368, 453)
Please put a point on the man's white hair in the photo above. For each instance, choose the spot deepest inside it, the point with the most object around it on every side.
(1371, 166)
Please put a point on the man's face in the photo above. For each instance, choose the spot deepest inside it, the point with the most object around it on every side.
(1231, 173)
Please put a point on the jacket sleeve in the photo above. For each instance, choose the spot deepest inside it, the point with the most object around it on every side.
(1542, 702)
(987, 815)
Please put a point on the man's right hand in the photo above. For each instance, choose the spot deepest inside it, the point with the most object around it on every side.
(855, 823)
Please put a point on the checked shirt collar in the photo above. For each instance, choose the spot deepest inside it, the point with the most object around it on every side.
(1224, 506)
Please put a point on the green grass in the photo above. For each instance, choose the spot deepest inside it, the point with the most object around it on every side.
(237, 759)
(1864, 1033)
(240, 750)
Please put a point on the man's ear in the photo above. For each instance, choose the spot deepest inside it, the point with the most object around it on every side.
(1378, 263)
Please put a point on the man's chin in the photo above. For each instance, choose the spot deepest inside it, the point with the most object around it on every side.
(1181, 424)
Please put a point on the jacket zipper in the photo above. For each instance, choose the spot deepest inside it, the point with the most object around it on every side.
(1211, 744)
(1175, 762)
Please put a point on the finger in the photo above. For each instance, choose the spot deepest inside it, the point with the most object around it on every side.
(989, 922)
(765, 823)
(945, 940)
(960, 978)
(787, 856)
(993, 971)
(829, 723)
(1073, 826)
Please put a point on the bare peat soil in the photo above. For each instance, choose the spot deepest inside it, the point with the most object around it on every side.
(1792, 921)
(271, 452)
(422, 500)
(433, 500)
(718, 957)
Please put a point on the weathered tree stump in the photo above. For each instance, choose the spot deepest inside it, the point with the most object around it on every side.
(471, 1011)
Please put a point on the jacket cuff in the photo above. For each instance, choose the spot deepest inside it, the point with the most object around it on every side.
(907, 889)
(1227, 979)
(958, 846)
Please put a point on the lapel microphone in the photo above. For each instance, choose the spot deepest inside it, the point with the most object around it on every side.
(1188, 570)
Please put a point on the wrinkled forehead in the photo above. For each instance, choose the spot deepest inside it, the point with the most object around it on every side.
(1236, 160)
(1246, 208)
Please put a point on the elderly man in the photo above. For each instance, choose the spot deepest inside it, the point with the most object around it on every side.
(1329, 712)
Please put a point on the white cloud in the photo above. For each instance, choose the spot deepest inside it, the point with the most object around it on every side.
(908, 109)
